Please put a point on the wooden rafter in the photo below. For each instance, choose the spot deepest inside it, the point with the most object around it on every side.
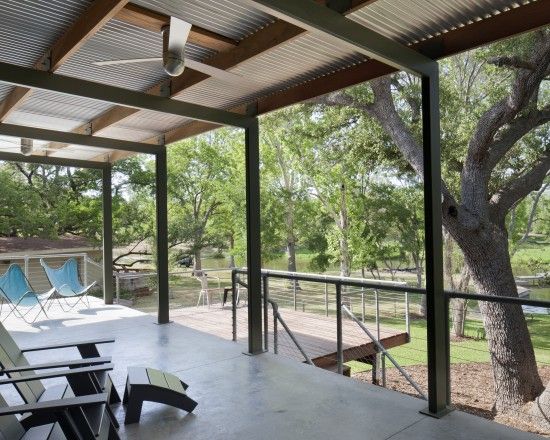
(95, 17)
(506, 24)
(153, 21)
(267, 38)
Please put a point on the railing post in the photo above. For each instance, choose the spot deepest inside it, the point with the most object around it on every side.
(377, 307)
(275, 329)
(117, 288)
(326, 298)
(26, 266)
(362, 304)
(85, 268)
(407, 313)
(234, 304)
(266, 318)
(339, 343)
(294, 293)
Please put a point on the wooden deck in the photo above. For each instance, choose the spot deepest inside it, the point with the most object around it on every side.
(315, 333)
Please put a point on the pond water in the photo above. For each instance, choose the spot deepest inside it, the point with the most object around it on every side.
(542, 293)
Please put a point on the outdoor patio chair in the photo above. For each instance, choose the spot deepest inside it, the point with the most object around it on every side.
(14, 363)
(17, 292)
(81, 382)
(59, 419)
(206, 292)
(66, 282)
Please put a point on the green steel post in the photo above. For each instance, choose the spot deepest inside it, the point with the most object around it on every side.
(162, 235)
(107, 235)
(437, 324)
(253, 244)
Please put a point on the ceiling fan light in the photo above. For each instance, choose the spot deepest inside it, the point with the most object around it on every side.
(172, 60)
(26, 147)
(174, 65)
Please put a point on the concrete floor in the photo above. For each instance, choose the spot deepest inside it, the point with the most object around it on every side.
(243, 397)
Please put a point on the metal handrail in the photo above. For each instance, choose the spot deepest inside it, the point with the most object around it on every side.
(277, 316)
(385, 352)
(355, 282)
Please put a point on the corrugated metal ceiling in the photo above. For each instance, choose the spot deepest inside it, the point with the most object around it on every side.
(409, 21)
(29, 28)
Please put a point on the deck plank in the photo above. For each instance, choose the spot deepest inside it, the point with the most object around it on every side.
(315, 333)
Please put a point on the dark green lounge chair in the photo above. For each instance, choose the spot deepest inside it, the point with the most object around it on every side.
(62, 419)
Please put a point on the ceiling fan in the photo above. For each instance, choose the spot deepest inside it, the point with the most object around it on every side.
(174, 38)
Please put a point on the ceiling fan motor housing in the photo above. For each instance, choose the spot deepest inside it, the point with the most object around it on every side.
(173, 61)
(26, 147)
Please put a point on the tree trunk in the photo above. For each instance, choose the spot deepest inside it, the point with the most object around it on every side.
(231, 248)
(345, 259)
(291, 254)
(197, 264)
(515, 372)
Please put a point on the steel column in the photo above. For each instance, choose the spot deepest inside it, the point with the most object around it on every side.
(107, 236)
(253, 243)
(339, 336)
(437, 324)
(162, 235)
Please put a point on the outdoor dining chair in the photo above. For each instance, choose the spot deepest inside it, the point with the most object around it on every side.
(66, 282)
(21, 299)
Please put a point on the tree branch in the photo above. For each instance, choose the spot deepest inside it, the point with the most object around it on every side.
(506, 197)
(506, 139)
(512, 61)
(525, 87)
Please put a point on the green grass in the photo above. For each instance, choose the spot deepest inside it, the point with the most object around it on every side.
(532, 257)
(468, 350)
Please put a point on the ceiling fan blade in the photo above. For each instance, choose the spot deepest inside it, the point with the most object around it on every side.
(179, 32)
(130, 61)
(224, 75)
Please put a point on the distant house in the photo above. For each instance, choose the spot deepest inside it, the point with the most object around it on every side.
(45, 246)
(28, 251)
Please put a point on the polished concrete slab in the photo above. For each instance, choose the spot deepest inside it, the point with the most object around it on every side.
(242, 397)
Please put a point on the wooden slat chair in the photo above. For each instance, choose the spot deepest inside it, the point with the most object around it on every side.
(64, 419)
(95, 419)
(13, 358)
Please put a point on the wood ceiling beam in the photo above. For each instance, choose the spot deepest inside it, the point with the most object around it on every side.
(153, 21)
(512, 22)
(95, 17)
(272, 35)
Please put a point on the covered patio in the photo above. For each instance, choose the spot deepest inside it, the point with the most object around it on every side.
(240, 396)
(73, 94)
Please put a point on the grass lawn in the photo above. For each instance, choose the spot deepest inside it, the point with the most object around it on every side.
(467, 350)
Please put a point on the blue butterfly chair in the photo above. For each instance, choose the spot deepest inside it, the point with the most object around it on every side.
(66, 282)
(17, 293)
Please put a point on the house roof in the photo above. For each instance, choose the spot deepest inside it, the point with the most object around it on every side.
(11, 245)
(283, 63)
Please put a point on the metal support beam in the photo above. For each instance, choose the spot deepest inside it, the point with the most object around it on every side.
(48, 160)
(253, 238)
(26, 77)
(162, 236)
(42, 134)
(436, 302)
(316, 18)
(107, 236)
